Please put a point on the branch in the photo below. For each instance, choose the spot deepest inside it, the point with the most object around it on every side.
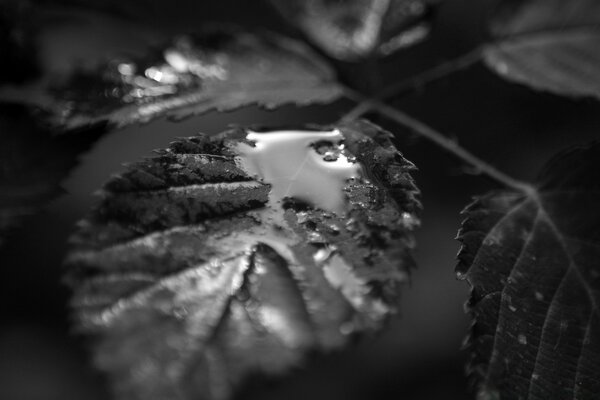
(419, 80)
(450, 145)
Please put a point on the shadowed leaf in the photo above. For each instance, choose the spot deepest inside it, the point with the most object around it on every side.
(240, 254)
(551, 45)
(533, 264)
(214, 70)
(354, 29)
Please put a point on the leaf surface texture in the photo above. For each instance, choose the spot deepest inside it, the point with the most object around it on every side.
(550, 45)
(192, 277)
(533, 264)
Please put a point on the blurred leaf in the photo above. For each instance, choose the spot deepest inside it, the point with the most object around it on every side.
(354, 29)
(533, 265)
(551, 45)
(193, 275)
(218, 69)
(32, 164)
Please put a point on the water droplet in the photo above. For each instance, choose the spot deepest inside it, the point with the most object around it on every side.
(330, 156)
(323, 254)
(409, 220)
(302, 217)
(315, 237)
(511, 307)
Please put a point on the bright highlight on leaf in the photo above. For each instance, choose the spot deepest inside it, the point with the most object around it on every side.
(356, 29)
(217, 69)
(551, 45)
(196, 271)
(533, 264)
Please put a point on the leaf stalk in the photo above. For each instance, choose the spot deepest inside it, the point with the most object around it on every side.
(415, 82)
(452, 146)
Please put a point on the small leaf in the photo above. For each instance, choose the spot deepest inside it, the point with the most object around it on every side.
(241, 254)
(355, 29)
(551, 45)
(533, 264)
(217, 69)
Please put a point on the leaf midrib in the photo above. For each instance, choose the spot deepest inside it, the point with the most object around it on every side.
(541, 213)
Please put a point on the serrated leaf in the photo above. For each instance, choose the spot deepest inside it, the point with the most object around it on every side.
(220, 69)
(533, 264)
(550, 45)
(241, 254)
(356, 29)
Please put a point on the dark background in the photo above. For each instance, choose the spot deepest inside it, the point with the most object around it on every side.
(418, 357)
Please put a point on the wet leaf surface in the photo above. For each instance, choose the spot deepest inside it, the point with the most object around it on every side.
(219, 69)
(355, 29)
(242, 254)
(533, 264)
(550, 45)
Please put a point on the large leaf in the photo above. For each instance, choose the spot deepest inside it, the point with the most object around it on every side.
(240, 254)
(551, 45)
(355, 29)
(218, 69)
(533, 262)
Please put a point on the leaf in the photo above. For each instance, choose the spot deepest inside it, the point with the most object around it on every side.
(241, 254)
(550, 45)
(32, 165)
(355, 29)
(533, 265)
(217, 69)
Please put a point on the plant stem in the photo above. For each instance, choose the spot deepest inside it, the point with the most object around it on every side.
(440, 71)
(446, 143)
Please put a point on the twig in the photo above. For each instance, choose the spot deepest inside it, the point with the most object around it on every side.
(448, 144)
(425, 77)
